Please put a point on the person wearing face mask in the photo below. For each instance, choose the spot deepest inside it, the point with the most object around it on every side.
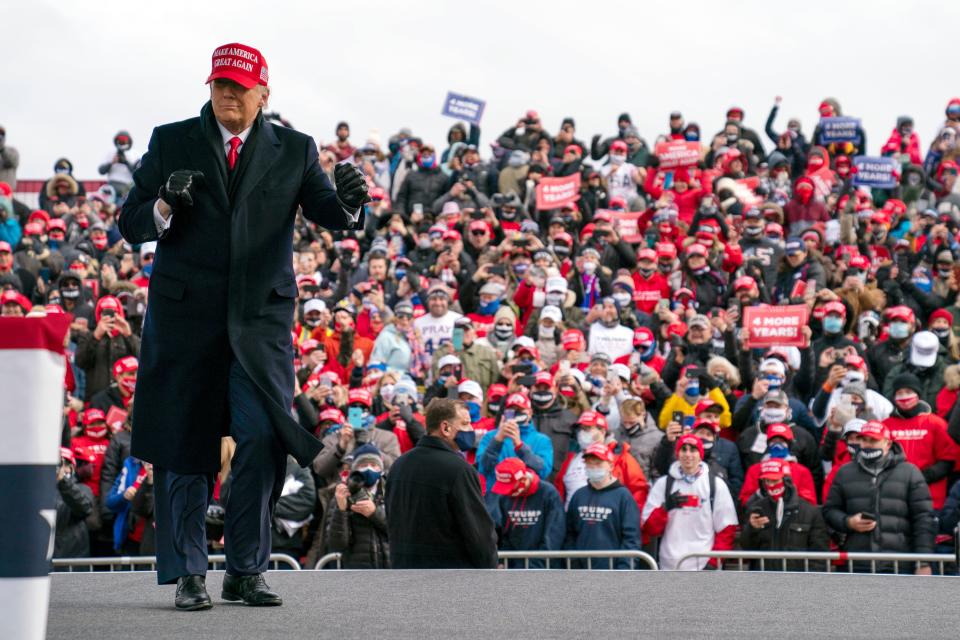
(833, 340)
(111, 340)
(708, 285)
(882, 503)
(755, 246)
(690, 509)
(449, 373)
(590, 281)
(74, 299)
(527, 513)
(927, 362)
(940, 323)
(551, 418)
(621, 177)
(120, 163)
(424, 185)
(433, 483)
(602, 514)
(120, 393)
(840, 446)
(693, 386)
(515, 436)
(847, 383)
(780, 521)
(650, 286)
(774, 408)
(887, 354)
(343, 343)
(547, 332)
(312, 359)
(599, 149)
(504, 332)
(804, 209)
(312, 315)
(793, 128)
(922, 435)
(556, 293)
(779, 442)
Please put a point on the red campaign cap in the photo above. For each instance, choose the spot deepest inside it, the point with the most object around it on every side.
(901, 312)
(705, 404)
(308, 347)
(518, 400)
(543, 377)
(854, 360)
(67, 454)
(779, 430)
(647, 254)
(602, 216)
(350, 244)
(696, 249)
(360, 396)
(643, 336)
(93, 415)
(941, 314)
(692, 440)
(587, 230)
(496, 391)
(5, 247)
(860, 262)
(532, 114)
(703, 424)
(681, 292)
(331, 414)
(599, 450)
(308, 279)
(5, 188)
(772, 469)
(531, 350)
(666, 250)
(451, 234)
(876, 430)
(563, 237)
(573, 339)
(744, 282)
(508, 473)
(125, 365)
(39, 214)
(240, 63)
(573, 148)
(479, 225)
(617, 202)
(835, 306)
(618, 145)
(33, 229)
(56, 223)
(677, 328)
(589, 418)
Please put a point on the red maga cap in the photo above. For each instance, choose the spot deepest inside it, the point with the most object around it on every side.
(240, 63)
(599, 450)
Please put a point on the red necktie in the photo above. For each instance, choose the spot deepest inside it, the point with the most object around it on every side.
(235, 143)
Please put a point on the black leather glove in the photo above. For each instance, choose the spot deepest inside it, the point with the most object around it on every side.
(406, 412)
(351, 186)
(180, 187)
(674, 501)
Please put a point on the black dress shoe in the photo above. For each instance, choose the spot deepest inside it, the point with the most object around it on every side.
(192, 594)
(252, 590)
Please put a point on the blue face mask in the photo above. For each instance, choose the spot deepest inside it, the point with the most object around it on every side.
(370, 476)
(691, 136)
(899, 330)
(53, 244)
(466, 440)
(415, 299)
(147, 269)
(427, 162)
(474, 409)
(520, 268)
(774, 383)
(400, 274)
(693, 389)
(489, 308)
(778, 450)
(833, 324)
(596, 474)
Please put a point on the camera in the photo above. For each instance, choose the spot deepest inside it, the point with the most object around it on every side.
(357, 488)
(109, 313)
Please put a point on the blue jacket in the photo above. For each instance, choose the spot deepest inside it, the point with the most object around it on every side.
(118, 504)
(391, 349)
(528, 523)
(10, 230)
(605, 519)
(536, 451)
(726, 454)
(950, 514)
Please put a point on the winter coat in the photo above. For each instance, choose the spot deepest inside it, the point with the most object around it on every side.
(362, 541)
(326, 465)
(534, 522)
(392, 349)
(626, 470)
(896, 494)
(97, 357)
(422, 186)
(74, 502)
(557, 423)
(117, 452)
(931, 379)
(884, 356)
(123, 523)
(536, 450)
(436, 518)
(642, 446)
(603, 519)
(296, 504)
(801, 528)
(925, 443)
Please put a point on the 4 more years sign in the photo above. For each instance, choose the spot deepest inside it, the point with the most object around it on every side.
(769, 326)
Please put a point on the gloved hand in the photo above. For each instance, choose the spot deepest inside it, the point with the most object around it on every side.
(675, 500)
(180, 187)
(351, 186)
(406, 412)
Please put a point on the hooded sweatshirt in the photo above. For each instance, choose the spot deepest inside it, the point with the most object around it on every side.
(531, 522)
(606, 518)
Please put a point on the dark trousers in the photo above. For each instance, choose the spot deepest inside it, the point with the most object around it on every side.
(256, 479)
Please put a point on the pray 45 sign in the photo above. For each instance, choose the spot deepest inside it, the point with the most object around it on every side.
(769, 326)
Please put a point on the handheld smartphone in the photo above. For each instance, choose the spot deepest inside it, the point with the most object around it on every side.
(688, 422)
(418, 208)
(866, 515)
(678, 416)
(668, 180)
(497, 270)
(355, 417)
(756, 511)
(458, 338)
(109, 313)
(526, 381)
(476, 214)
(525, 368)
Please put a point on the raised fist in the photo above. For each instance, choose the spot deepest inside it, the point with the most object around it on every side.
(351, 186)
(179, 189)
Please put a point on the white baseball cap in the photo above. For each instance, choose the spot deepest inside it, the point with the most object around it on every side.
(314, 304)
(924, 348)
(472, 387)
(551, 312)
(448, 360)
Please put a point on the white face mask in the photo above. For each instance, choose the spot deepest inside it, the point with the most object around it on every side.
(617, 158)
(589, 268)
(852, 376)
(771, 415)
(554, 298)
(585, 439)
(539, 297)
(546, 332)
(623, 299)
(387, 391)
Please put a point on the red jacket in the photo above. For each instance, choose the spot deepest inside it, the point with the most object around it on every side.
(523, 298)
(90, 451)
(647, 292)
(687, 202)
(801, 476)
(925, 441)
(626, 469)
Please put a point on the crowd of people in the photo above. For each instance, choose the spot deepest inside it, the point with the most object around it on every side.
(615, 399)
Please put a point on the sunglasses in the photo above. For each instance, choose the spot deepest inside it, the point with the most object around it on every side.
(403, 316)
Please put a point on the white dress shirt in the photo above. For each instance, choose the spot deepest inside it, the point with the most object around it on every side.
(163, 225)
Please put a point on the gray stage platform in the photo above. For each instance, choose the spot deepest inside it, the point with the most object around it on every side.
(517, 604)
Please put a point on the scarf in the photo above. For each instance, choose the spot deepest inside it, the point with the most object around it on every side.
(419, 359)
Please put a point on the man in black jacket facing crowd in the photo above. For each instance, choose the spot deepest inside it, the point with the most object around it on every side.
(436, 518)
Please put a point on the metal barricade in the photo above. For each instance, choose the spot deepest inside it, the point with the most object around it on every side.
(566, 556)
(149, 563)
(835, 561)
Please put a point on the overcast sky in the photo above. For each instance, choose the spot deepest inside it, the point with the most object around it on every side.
(76, 72)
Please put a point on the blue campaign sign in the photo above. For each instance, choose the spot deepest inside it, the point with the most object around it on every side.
(463, 107)
(880, 173)
(839, 129)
